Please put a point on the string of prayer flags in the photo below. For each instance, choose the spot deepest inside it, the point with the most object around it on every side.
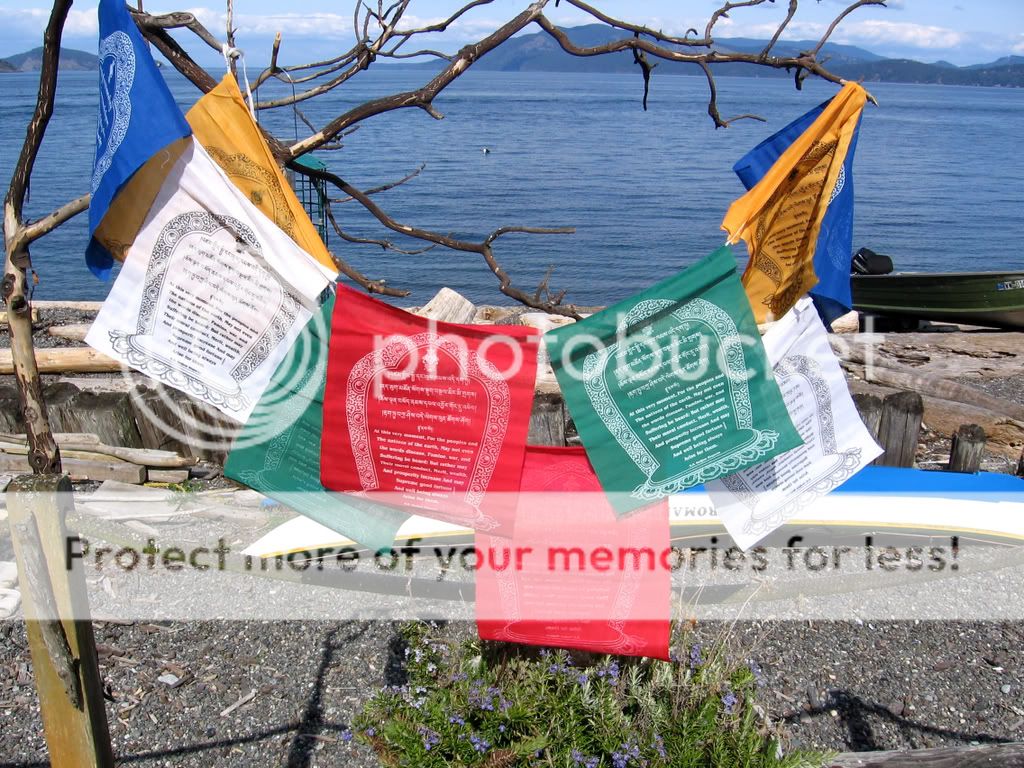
(780, 218)
(212, 293)
(672, 388)
(278, 451)
(756, 501)
(137, 117)
(224, 126)
(834, 248)
(574, 575)
(433, 415)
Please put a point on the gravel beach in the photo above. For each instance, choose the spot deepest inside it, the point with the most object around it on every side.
(836, 686)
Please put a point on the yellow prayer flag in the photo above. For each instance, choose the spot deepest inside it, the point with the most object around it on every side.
(221, 122)
(779, 218)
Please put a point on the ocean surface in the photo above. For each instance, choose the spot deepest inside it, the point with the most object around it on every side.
(938, 175)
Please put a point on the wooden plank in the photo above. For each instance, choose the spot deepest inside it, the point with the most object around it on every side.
(65, 360)
(899, 429)
(72, 332)
(167, 475)
(76, 732)
(82, 469)
(448, 307)
(968, 449)
(989, 755)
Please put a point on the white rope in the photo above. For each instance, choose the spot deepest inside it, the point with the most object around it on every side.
(236, 53)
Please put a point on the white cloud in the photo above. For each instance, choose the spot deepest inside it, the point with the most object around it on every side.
(32, 21)
(899, 33)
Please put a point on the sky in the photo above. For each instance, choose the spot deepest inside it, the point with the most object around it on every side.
(959, 31)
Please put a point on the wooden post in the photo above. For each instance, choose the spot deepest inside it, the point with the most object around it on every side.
(870, 409)
(967, 450)
(59, 632)
(899, 429)
(547, 421)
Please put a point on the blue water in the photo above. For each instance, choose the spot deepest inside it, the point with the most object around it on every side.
(938, 175)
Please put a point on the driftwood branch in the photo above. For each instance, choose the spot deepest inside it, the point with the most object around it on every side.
(43, 455)
(484, 248)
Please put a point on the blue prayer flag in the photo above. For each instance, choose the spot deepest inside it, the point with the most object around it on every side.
(834, 249)
(137, 117)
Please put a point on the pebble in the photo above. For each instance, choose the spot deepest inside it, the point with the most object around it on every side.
(169, 679)
(1005, 688)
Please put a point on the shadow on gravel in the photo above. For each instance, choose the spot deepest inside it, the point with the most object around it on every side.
(856, 714)
(306, 729)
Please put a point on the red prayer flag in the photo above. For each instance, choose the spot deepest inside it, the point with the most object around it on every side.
(425, 414)
(574, 575)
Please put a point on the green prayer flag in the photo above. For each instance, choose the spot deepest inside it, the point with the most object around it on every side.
(672, 388)
(278, 451)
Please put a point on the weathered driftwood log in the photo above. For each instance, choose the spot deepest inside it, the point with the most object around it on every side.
(988, 755)
(899, 429)
(937, 387)
(81, 306)
(65, 360)
(106, 414)
(447, 306)
(1005, 436)
(73, 332)
(91, 444)
(967, 449)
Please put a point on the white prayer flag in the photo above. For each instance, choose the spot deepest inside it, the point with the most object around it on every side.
(837, 445)
(212, 293)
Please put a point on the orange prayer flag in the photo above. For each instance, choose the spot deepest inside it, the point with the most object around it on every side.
(780, 217)
(221, 122)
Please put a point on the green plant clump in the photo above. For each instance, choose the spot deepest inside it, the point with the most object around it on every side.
(464, 707)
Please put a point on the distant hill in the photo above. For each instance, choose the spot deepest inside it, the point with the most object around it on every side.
(31, 61)
(540, 53)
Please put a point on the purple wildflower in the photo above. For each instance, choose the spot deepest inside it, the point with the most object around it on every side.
(729, 701)
(430, 738)
(696, 660)
(346, 735)
(480, 744)
(371, 731)
(756, 671)
(457, 719)
(659, 745)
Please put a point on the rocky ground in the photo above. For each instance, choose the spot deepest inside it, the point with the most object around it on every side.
(835, 686)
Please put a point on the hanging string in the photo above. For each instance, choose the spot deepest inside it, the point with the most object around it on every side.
(230, 54)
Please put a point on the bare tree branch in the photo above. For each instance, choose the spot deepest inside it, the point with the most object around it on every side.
(835, 23)
(484, 248)
(793, 5)
(713, 103)
(385, 187)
